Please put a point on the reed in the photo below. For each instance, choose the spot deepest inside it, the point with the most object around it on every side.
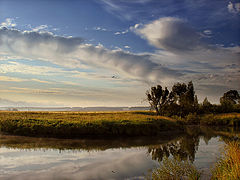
(228, 167)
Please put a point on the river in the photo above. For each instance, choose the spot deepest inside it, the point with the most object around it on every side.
(111, 158)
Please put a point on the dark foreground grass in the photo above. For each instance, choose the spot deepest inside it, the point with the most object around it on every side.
(78, 124)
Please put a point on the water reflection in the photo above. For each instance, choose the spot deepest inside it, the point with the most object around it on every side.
(186, 146)
(122, 158)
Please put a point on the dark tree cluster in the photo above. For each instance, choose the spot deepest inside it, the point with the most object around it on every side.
(181, 101)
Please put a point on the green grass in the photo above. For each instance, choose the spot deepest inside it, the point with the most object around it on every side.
(78, 124)
(228, 167)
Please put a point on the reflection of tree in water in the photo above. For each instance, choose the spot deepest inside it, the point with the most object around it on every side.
(184, 148)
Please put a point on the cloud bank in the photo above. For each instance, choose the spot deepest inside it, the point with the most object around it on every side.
(73, 52)
(182, 54)
(176, 36)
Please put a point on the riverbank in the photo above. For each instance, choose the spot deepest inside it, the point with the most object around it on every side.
(104, 124)
(79, 124)
(225, 119)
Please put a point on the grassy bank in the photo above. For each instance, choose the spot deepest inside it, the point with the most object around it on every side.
(227, 119)
(78, 124)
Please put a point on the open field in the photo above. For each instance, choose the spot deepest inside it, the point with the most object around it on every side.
(78, 124)
(107, 124)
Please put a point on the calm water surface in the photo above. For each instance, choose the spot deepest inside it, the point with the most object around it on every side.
(126, 158)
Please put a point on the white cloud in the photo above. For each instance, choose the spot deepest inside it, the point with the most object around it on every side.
(121, 32)
(40, 28)
(99, 29)
(182, 55)
(135, 27)
(16, 79)
(117, 33)
(126, 47)
(180, 41)
(233, 7)
(9, 23)
(6, 78)
(16, 67)
(207, 32)
(171, 34)
(71, 52)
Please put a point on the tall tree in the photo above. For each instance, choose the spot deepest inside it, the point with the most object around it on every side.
(158, 98)
(181, 100)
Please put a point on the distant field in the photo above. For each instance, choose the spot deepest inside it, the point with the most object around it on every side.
(78, 124)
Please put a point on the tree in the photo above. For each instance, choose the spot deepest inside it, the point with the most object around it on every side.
(206, 106)
(184, 97)
(231, 96)
(179, 90)
(180, 101)
(229, 101)
(206, 103)
(158, 98)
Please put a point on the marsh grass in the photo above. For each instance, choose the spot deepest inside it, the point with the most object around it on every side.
(175, 169)
(228, 167)
(78, 124)
(230, 119)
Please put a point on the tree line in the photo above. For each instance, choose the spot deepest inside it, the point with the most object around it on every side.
(182, 100)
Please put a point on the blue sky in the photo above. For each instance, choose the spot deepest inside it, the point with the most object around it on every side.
(108, 52)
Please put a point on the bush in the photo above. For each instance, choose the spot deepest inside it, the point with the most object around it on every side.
(192, 118)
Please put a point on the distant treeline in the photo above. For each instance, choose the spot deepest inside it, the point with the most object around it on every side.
(182, 101)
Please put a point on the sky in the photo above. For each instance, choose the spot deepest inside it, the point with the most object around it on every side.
(82, 53)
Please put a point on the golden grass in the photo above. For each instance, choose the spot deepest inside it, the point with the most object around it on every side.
(82, 116)
(228, 115)
(229, 119)
(175, 169)
(75, 124)
(228, 167)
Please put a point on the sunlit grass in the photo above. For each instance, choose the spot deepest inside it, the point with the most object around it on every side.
(75, 124)
(230, 119)
(228, 167)
(228, 115)
(175, 169)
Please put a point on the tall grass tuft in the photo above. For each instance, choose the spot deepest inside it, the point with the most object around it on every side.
(175, 169)
(228, 167)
